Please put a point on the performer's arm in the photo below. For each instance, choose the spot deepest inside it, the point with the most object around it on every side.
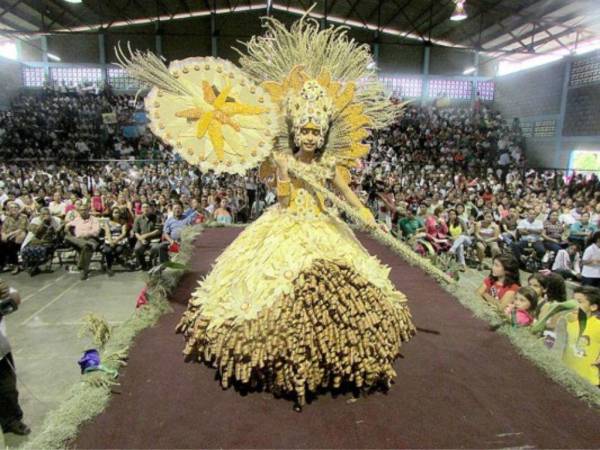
(352, 198)
(284, 185)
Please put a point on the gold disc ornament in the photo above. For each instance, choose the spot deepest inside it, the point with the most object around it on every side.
(218, 118)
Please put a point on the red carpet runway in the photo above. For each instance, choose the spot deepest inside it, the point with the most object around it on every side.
(464, 388)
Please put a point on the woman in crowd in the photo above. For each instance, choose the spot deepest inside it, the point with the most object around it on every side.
(590, 272)
(115, 239)
(486, 235)
(460, 236)
(437, 231)
(500, 286)
(38, 247)
(222, 214)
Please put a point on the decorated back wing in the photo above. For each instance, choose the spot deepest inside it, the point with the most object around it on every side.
(209, 110)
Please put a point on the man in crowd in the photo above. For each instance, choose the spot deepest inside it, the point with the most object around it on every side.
(530, 234)
(145, 229)
(83, 233)
(173, 228)
(582, 230)
(14, 230)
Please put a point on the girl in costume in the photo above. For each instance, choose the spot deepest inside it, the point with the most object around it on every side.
(295, 303)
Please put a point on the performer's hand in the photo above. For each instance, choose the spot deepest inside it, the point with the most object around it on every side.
(281, 161)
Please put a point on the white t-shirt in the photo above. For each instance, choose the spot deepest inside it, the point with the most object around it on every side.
(591, 271)
(536, 225)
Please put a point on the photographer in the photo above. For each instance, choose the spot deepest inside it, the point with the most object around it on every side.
(39, 244)
(11, 414)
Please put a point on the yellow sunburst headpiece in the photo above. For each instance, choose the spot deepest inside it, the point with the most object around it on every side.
(311, 107)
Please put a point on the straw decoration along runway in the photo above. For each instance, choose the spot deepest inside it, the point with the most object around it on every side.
(465, 387)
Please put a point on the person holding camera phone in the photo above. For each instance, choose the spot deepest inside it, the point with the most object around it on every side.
(14, 230)
(11, 414)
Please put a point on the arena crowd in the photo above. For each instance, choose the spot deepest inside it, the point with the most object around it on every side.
(449, 181)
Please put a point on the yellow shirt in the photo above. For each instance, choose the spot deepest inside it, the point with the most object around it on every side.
(581, 357)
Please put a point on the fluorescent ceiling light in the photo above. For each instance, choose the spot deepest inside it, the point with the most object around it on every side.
(53, 57)
(459, 11)
(73, 1)
(469, 70)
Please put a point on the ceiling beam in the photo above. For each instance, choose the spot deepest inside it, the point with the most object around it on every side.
(9, 8)
(512, 23)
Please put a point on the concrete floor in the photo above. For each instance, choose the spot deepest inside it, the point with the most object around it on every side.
(44, 332)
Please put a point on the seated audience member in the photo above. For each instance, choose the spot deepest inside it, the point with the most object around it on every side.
(521, 312)
(437, 231)
(411, 225)
(57, 206)
(554, 292)
(115, 239)
(530, 234)
(84, 233)
(459, 234)
(590, 261)
(486, 236)
(582, 350)
(582, 230)
(508, 228)
(553, 234)
(38, 247)
(222, 214)
(145, 229)
(14, 230)
(172, 229)
(500, 286)
(567, 262)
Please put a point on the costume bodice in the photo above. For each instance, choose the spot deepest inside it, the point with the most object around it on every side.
(303, 201)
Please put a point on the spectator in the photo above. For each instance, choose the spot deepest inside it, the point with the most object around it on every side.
(582, 350)
(437, 231)
(521, 311)
(500, 286)
(411, 225)
(145, 229)
(486, 235)
(38, 246)
(459, 234)
(530, 234)
(590, 272)
(14, 230)
(222, 214)
(582, 230)
(554, 233)
(567, 262)
(172, 230)
(83, 233)
(115, 239)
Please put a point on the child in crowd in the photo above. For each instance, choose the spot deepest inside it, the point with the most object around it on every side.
(499, 288)
(582, 350)
(521, 311)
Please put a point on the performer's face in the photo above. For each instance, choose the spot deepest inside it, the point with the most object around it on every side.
(309, 138)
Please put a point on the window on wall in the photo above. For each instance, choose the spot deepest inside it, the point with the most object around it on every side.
(585, 71)
(119, 79)
(73, 76)
(403, 86)
(33, 76)
(585, 160)
(486, 90)
(544, 128)
(458, 89)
